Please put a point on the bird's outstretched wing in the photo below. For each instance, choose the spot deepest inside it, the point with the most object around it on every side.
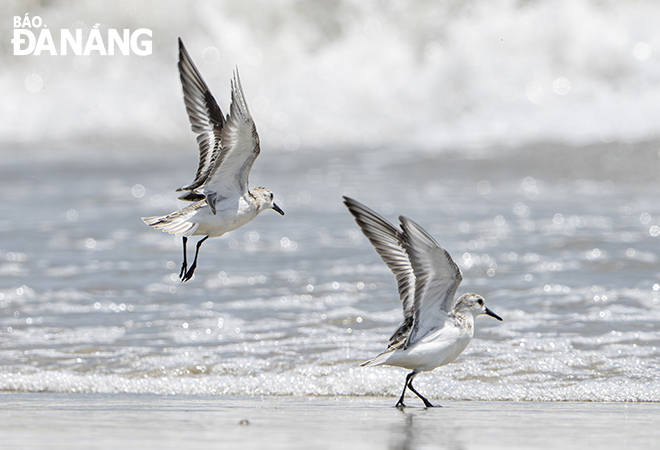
(240, 147)
(388, 243)
(436, 278)
(206, 120)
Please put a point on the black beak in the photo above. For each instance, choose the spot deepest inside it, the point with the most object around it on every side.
(492, 314)
(279, 210)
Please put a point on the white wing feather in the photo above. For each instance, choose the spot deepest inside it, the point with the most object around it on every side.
(386, 239)
(240, 147)
(205, 117)
(437, 278)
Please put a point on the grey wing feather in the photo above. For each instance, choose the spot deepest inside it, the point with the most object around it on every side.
(240, 146)
(436, 276)
(387, 241)
(206, 119)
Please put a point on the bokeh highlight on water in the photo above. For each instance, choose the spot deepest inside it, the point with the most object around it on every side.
(521, 135)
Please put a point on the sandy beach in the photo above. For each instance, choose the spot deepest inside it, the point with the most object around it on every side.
(105, 421)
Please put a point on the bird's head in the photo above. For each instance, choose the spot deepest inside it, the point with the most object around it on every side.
(266, 198)
(475, 304)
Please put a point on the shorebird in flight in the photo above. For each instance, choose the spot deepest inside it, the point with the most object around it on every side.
(220, 198)
(435, 328)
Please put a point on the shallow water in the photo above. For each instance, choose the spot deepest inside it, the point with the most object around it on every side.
(561, 241)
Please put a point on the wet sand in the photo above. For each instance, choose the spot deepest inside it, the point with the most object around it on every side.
(105, 421)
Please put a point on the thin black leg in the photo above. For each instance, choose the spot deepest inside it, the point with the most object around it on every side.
(427, 403)
(184, 266)
(409, 379)
(191, 271)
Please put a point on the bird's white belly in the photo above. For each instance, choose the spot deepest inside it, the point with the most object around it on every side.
(427, 355)
(223, 221)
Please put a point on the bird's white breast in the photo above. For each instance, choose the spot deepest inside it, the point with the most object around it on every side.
(230, 214)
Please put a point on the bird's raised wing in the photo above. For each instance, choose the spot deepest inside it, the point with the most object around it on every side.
(387, 241)
(240, 147)
(206, 120)
(436, 278)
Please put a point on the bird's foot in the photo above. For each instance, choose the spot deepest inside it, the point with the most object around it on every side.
(189, 274)
(184, 266)
(428, 404)
(186, 277)
(400, 405)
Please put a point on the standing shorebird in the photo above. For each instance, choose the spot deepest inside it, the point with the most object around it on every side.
(221, 199)
(435, 329)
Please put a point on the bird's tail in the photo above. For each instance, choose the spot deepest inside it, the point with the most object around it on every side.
(378, 360)
(175, 223)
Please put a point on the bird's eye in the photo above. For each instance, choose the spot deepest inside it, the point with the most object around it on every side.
(271, 195)
(481, 302)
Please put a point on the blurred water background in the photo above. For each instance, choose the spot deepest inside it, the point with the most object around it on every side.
(522, 135)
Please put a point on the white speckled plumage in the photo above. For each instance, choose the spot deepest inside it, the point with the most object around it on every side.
(220, 196)
(435, 329)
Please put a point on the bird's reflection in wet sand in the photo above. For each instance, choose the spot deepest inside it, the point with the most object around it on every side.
(421, 429)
